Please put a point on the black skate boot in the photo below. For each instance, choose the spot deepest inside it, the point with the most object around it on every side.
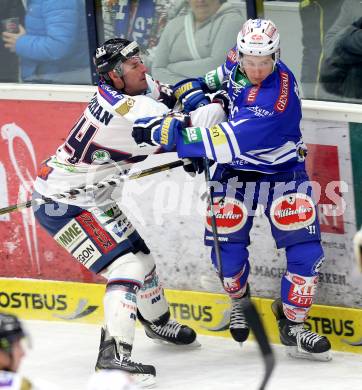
(239, 327)
(167, 330)
(117, 356)
(300, 342)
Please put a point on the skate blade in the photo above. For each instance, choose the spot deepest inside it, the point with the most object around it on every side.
(147, 381)
(296, 353)
(195, 344)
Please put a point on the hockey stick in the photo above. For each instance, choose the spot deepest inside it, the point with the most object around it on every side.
(89, 188)
(249, 310)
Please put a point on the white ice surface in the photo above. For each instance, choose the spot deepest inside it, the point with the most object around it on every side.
(64, 354)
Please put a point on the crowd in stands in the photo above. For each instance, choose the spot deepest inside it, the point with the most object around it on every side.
(47, 41)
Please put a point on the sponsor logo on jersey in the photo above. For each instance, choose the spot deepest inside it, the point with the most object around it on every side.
(87, 254)
(96, 232)
(217, 136)
(71, 235)
(292, 212)
(230, 213)
(125, 107)
(101, 156)
(232, 56)
(184, 88)
(259, 112)
(191, 135)
(109, 94)
(252, 94)
(212, 79)
(282, 101)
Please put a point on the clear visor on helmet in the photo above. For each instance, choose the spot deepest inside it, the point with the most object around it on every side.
(256, 62)
(133, 54)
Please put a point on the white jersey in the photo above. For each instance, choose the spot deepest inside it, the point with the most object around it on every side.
(100, 143)
(14, 381)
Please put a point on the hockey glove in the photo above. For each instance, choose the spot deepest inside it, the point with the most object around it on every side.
(223, 99)
(159, 131)
(166, 95)
(193, 165)
(144, 130)
(190, 94)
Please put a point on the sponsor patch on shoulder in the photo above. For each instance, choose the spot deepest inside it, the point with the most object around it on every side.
(232, 56)
(109, 94)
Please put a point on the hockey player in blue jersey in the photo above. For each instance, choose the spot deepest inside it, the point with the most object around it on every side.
(260, 156)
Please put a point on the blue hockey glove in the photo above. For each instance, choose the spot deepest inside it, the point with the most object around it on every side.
(159, 131)
(190, 94)
(144, 130)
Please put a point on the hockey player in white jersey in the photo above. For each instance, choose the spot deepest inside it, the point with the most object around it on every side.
(92, 227)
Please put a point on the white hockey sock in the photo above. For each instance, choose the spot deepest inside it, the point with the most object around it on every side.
(151, 300)
(120, 311)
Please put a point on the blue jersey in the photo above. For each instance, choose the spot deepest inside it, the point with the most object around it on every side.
(262, 132)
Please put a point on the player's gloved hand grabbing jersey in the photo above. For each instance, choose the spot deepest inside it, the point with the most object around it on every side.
(190, 94)
(160, 130)
(222, 97)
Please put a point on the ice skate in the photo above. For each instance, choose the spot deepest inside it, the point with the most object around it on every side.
(168, 331)
(117, 356)
(239, 327)
(300, 342)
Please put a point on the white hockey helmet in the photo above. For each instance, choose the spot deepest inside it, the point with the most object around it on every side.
(259, 37)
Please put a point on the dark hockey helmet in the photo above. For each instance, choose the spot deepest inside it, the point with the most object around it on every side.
(113, 53)
(10, 331)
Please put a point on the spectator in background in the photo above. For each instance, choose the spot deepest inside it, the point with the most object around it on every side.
(11, 14)
(53, 46)
(341, 73)
(317, 16)
(197, 42)
(141, 21)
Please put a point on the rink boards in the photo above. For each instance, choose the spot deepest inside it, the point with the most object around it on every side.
(207, 313)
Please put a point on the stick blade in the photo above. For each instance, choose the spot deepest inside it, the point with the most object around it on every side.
(256, 325)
